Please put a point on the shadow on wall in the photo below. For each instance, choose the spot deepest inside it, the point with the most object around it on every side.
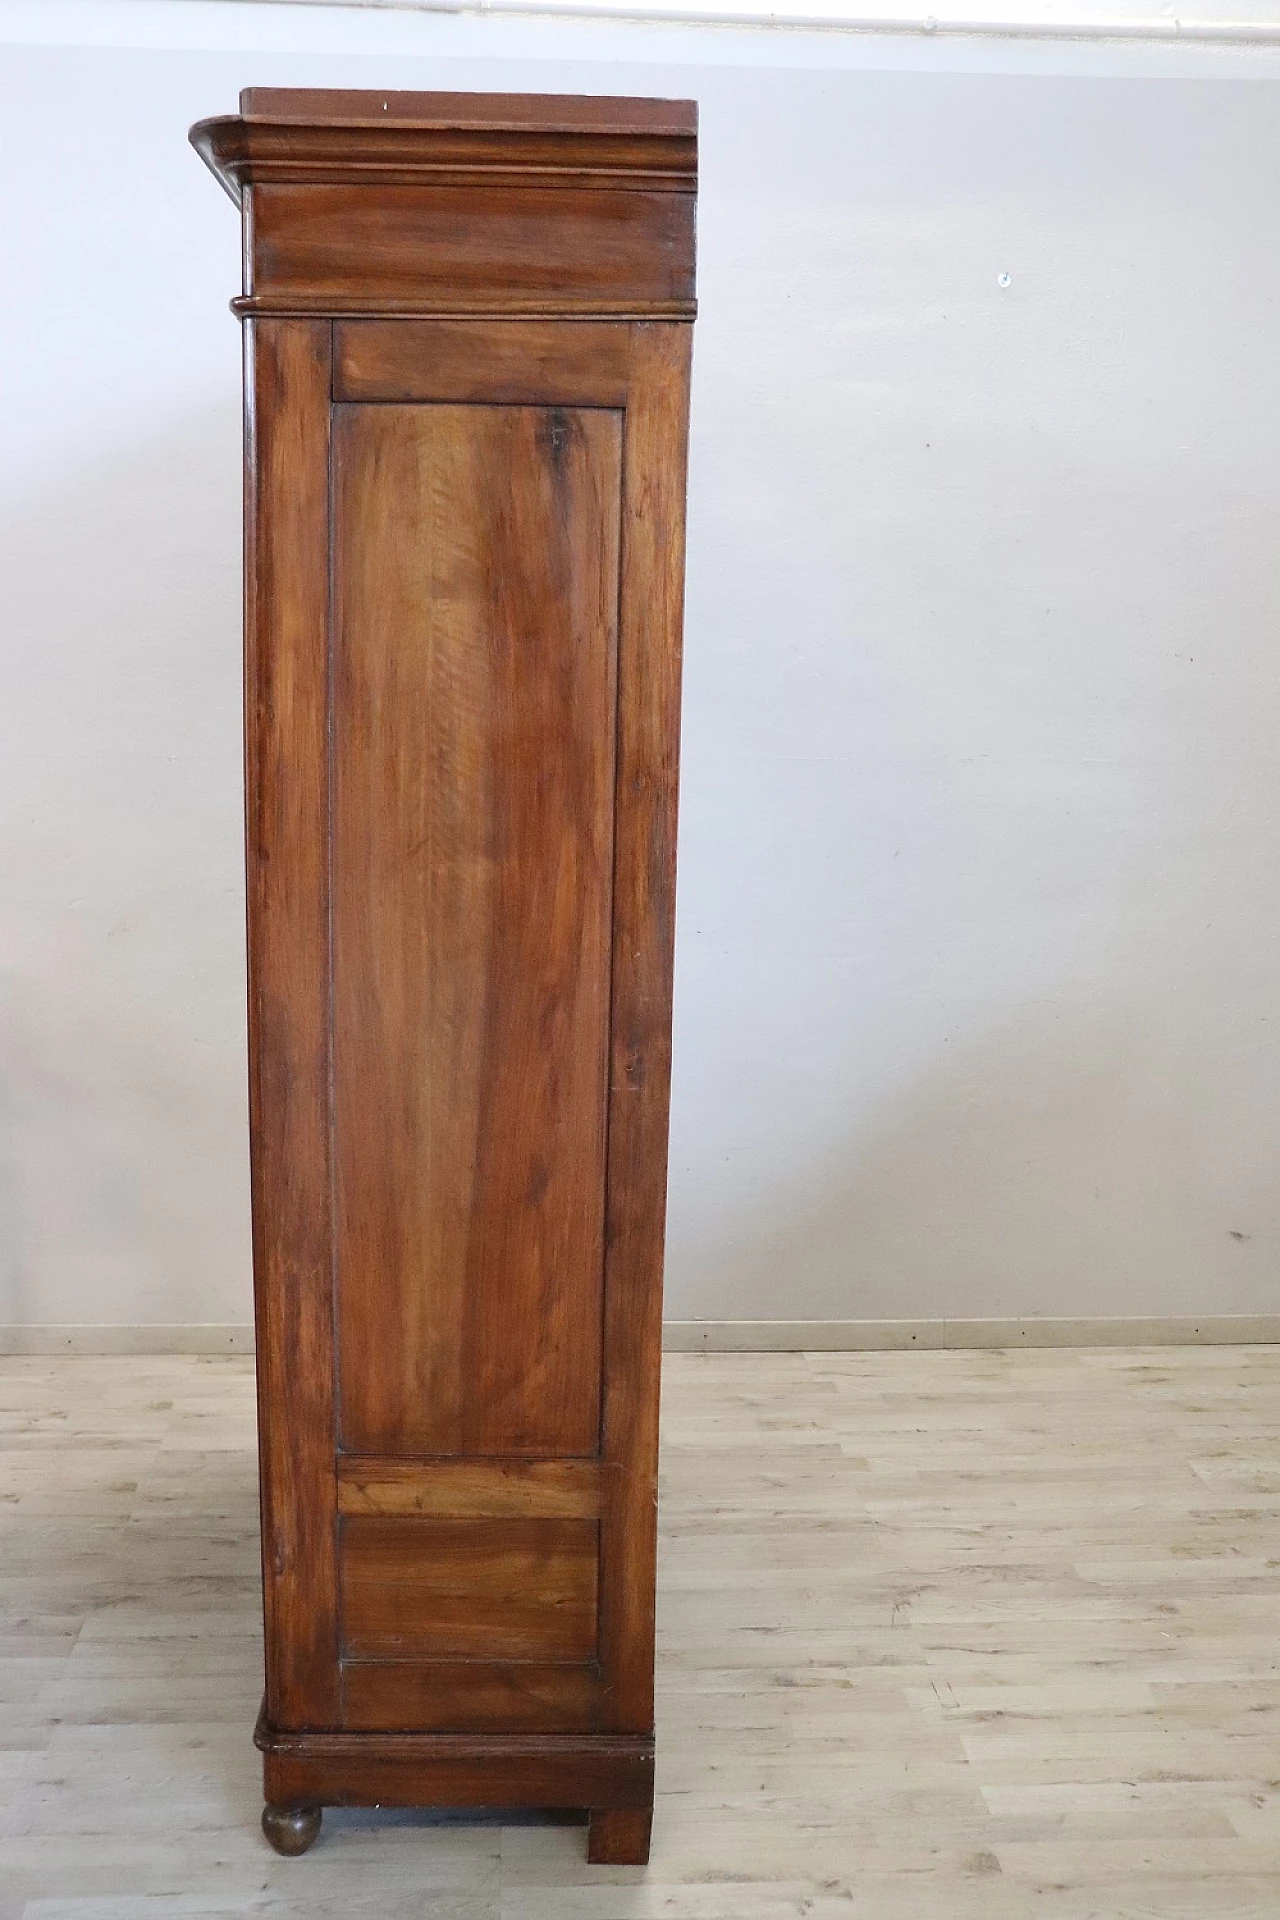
(123, 1177)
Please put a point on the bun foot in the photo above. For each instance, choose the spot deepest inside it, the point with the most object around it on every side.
(291, 1830)
(619, 1836)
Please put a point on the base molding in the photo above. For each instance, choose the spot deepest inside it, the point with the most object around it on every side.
(741, 1336)
(185, 1337)
(883, 1336)
(607, 1771)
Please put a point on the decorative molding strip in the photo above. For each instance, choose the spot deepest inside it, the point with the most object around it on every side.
(1017, 19)
(872, 1336)
(745, 1336)
(419, 27)
(233, 1337)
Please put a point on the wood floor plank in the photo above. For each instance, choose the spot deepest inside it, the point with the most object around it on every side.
(941, 1635)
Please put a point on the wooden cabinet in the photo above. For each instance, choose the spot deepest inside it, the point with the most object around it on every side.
(467, 326)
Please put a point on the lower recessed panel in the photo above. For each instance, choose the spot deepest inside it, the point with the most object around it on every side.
(443, 1696)
(468, 1589)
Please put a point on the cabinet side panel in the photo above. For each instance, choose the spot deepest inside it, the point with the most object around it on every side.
(649, 657)
(476, 580)
(286, 619)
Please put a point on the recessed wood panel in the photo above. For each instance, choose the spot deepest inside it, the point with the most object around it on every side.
(471, 1489)
(473, 721)
(484, 1589)
(519, 362)
(470, 1696)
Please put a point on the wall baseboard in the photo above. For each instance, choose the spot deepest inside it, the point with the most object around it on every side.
(883, 1336)
(743, 1336)
(233, 1337)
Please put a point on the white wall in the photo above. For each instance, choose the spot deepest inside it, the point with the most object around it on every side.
(980, 886)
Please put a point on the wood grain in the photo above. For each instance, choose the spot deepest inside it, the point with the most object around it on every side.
(515, 362)
(488, 1589)
(332, 107)
(462, 744)
(456, 1770)
(474, 669)
(643, 944)
(619, 1836)
(475, 1489)
(469, 1696)
(475, 249)
(459, 141)
(286, 611)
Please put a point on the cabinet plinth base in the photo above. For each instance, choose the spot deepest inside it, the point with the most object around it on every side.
(610, 1775)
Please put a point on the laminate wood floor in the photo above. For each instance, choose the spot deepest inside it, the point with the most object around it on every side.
(941, 1635)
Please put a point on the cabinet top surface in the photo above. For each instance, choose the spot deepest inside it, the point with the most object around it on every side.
(494, 112)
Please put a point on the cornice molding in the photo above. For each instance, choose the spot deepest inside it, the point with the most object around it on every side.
(381, 139)
(432, 204)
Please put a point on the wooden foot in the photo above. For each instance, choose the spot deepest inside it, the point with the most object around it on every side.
(619, 1836)
(291, 1830)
